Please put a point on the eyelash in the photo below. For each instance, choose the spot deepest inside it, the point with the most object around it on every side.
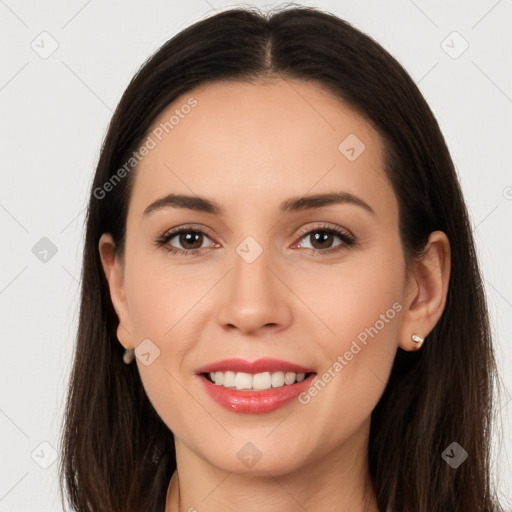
(347, 239)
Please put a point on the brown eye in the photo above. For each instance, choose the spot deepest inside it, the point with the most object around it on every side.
(190, 239)
(185, 241)
(322, 239)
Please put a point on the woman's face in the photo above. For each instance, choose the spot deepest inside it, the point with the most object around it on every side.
(265, 277)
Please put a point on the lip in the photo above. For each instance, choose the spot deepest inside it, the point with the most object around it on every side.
(258, 366)
(254, 402)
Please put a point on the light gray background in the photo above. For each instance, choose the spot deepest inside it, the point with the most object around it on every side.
(54, 113)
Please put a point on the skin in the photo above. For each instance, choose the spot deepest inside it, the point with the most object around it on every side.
(249, 147)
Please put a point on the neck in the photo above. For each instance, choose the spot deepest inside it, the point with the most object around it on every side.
(338, 481)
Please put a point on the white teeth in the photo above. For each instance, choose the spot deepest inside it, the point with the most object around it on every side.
(289, 378)
(277, 379)
(242, 380)
(229, 379)
(262, 381)
(259, 381)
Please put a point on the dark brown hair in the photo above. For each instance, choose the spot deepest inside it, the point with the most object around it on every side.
(118, 455)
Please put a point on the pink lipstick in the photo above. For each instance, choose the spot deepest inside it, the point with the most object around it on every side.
(254, 387)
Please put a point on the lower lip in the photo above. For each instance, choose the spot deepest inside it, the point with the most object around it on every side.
(255, 402)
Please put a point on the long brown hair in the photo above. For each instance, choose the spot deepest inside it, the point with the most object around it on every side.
(118, 455)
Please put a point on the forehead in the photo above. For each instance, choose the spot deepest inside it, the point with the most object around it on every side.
(262, 142)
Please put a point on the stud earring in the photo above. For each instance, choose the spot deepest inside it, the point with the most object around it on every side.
(418, 340)
(128, 356)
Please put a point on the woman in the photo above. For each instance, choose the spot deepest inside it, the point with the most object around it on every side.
(281, 305)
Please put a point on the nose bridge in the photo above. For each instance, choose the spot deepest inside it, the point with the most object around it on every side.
(254, 297)
(251, 272)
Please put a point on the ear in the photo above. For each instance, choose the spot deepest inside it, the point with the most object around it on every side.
(426, 291)
(114, 272)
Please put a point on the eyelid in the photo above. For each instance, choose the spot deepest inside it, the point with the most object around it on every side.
(188, 227)
(172, 232)
(325, 226)
(303, 231)
(348, 239)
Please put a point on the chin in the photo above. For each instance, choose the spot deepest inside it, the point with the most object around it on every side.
(256, 458)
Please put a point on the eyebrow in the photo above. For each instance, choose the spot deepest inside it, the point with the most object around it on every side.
(296, 204)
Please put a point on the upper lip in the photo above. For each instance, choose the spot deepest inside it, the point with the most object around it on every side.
(253, 367)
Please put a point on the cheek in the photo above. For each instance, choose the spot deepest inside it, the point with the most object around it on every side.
(365, 311)
(160, 298)
(357, 302)
(159, 303)
(360, 309)
(363, 314)
(165, 307)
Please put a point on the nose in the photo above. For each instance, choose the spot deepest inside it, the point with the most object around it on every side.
(254, 298)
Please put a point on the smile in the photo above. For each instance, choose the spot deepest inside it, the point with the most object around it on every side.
(257, 382)
(254, 387)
